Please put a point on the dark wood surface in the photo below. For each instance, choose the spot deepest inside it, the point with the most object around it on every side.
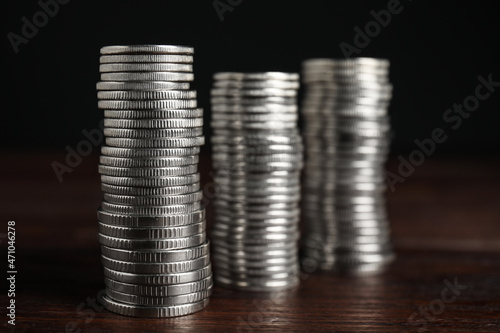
(446, 226)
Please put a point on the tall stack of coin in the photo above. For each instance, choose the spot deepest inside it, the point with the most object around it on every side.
(347, 136)
(151, 222)
(257, 157)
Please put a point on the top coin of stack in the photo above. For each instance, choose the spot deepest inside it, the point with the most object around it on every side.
(257, 156)
(151, 222)
(347, 134)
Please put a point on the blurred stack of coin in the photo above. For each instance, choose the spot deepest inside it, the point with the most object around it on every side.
(257, 157)
(151, 222)
(347, 135)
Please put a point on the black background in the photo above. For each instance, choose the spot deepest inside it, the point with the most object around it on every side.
(437, 50)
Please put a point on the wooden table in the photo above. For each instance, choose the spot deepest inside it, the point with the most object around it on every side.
(446, 229)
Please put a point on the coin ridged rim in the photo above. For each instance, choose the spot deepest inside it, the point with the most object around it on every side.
(146, 58)
(153, 133)
(147, 172)
(153, 162)
(151, 182)
(145, 67)
(256, 76)
(291, 117)
(253, 125)
(150, 191)
(159, 291)
(153, 312)
(358, 61)
(162, 268)
(263, 92)
(156, 256)
(154, 114)
(152, 233)
(265, 108)
(147, 104)
(156, 143)
(147, 48)
(150, 210)
(151, 221)
(146, 95)
(154, 123)
(253, 101)
(273, 84)
(159, 301)
(142, 85)
(151, 244)
(153, 200)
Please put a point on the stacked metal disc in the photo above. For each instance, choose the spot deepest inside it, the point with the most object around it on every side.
(151, 222)
(347, 135)
(257, 157)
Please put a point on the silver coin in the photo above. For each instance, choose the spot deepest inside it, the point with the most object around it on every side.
(254, 92)
(148, 172)
(159, 279)
(147, 76)
(150, 221)
(154, 162)
(265, 108)
(257, 222)
(153, 114)
(252, 125)
(150, 191)
(157, 244)
(146, 95)
(256, 263)
(151, 182)
(258, 285)
(256, 76)
(267, 84)
(162, 268)
(153, 133)
(156, 256)
(154, 123)
(254, 117)
(147, 104)
(156, 143)
(153, 200)
(159, 301)
(255, 101)
(148, 49)
(152, 311)
(150, 210)
(152, 233)
(145, 67)
(159, 291)
(142, 86)
(141, 58)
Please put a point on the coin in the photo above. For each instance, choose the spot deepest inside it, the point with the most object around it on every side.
(156, 256)
(145, 67)
(145, 58)
(146, 95)
(153, 114)
(147, 104)
(156, 143)
(142, 86)
(154, 123)
(159, 291)
(149, 244)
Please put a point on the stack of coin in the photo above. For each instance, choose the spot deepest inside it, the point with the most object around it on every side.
(151, 222)
(347, 135)
(257, 157)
